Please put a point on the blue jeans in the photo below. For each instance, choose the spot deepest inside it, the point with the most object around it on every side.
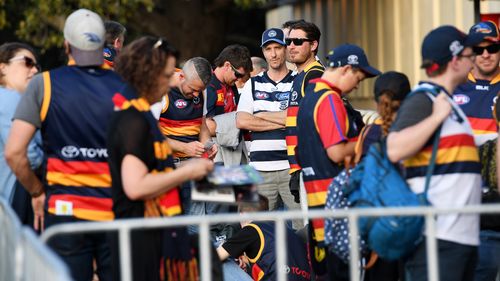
(79, 250)
(489, 256)
(196, 208)
(232, 271)
(456, 262)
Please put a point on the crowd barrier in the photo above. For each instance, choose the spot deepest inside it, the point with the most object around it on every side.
(123, 227)
(23, 257)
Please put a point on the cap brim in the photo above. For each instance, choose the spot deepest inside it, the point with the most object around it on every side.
(370, 71)
(87, 58)
(273, 40)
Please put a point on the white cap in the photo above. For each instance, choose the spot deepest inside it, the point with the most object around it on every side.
(84, 31)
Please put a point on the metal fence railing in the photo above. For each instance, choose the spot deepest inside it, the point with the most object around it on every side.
(22, 255)
(125, 226)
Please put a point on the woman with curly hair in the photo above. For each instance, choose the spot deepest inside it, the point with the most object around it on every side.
(144, 181)
(391, 88)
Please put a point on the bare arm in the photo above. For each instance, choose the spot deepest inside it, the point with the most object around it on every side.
(191, 149)
(16, 155)
(205, 137)
(211, 125)
(407, 142)
(337, 153)
(16, 151)
(222, 253)
(278, 117)
(139, 184)
(245, 120)
(204, 131)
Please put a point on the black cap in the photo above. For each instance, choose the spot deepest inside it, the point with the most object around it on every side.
(395, 82)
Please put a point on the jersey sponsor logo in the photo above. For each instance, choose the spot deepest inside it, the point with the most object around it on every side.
(461, 99)
(295, 95)
(220, 98)
(180, 103)
(482, 87)
(282, 96)
(297, 271)
(261, 95)
(71, 151)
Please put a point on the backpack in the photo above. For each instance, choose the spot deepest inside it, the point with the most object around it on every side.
(377, 182)
(337, 229)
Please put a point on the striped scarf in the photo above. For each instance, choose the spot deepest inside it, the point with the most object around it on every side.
(167, 204)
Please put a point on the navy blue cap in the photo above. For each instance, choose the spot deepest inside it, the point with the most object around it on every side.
(443, 43)
(348, 54)
(273, 35)
(488, 30)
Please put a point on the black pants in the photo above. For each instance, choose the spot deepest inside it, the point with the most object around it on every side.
(457, 262)
(79, 251)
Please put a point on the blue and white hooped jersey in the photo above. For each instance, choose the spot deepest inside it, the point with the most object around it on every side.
(262, 94)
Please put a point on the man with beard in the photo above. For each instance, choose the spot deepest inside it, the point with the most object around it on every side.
(477, 98)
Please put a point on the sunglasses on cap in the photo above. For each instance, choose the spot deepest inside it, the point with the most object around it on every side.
(491, 49)
(237, 74)
(28, 62)
(297, 41)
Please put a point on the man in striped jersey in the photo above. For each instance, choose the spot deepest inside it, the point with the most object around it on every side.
(456, 180)
(262, 110)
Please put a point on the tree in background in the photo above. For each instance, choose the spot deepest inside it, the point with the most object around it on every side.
(196, 27)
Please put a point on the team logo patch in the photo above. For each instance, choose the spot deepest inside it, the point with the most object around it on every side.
(196, 100)
(482, 28)
(456, 47)
(283, 105)
(92, 37)
(352, 59)
(261, 95)
(461, 99)
(282, 96)
(180, 103)
(271, 33)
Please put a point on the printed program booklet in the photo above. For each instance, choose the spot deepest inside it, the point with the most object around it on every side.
(228, 185)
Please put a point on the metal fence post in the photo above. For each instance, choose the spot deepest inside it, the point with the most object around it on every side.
(431, 246)
(354, 242)
(281, 250)
(205, 257)
(125, 254)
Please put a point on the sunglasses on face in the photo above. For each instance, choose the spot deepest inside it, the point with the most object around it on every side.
(28, 62)
(237, 74)
(491, 49)
(296, 41)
